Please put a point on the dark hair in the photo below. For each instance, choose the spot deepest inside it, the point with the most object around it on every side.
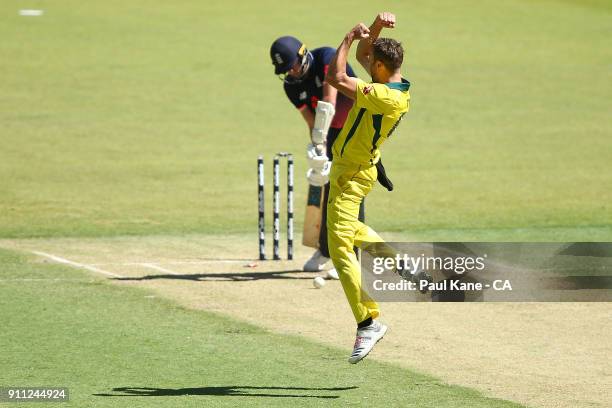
(389, 51)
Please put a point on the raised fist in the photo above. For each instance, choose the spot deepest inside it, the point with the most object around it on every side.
(385, 20)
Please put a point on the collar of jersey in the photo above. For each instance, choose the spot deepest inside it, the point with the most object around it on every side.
(400, 86)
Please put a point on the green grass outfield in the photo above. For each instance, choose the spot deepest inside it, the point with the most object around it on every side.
(146, 117)
(140, 117)
(109, 345)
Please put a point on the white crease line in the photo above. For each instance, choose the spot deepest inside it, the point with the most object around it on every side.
(216, 261)
(43, 279)
(76, 264)
(159, 268)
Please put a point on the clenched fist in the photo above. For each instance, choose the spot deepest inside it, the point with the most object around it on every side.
(385, 20)
(359, 32)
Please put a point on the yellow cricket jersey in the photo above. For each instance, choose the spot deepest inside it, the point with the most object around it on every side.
(377, 111)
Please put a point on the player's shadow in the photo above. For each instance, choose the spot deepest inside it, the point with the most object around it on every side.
(227, 391)
(227, 276)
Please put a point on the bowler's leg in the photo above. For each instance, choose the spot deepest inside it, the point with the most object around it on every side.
(343, 229)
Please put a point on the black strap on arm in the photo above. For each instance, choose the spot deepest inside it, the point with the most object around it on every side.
(382, 176)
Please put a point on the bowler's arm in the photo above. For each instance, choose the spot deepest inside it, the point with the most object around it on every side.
(364, 48)
(336, 74)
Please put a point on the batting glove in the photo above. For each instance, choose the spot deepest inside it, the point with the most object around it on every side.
(319, 178)
(316, 159)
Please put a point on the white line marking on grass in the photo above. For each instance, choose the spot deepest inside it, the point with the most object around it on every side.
(44, 280)
(31, 12)
(209, 261)
(159, 268)
(76, 264)
(206, 262)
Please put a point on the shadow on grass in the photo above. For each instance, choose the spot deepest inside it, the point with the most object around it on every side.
(229, 276)
(228, 391)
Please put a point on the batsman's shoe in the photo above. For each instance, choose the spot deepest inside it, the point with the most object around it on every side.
(333, 274)
(316, 263)
(367, 337)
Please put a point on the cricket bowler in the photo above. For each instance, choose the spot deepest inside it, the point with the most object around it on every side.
(378, 108)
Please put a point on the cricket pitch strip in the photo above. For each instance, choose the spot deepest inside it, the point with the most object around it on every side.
(538, 354)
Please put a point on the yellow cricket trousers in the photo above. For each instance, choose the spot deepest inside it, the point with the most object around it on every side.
(349, 184)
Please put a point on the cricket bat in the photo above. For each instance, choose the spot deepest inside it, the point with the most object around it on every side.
(312, 217)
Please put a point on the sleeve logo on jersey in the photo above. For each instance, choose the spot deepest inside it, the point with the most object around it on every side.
(367, 89)
(303, 95)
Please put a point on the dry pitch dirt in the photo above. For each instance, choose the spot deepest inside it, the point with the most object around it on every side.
(539, 354)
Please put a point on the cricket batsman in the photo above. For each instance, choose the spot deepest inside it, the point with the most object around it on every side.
(378, 108)
(324, 110)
